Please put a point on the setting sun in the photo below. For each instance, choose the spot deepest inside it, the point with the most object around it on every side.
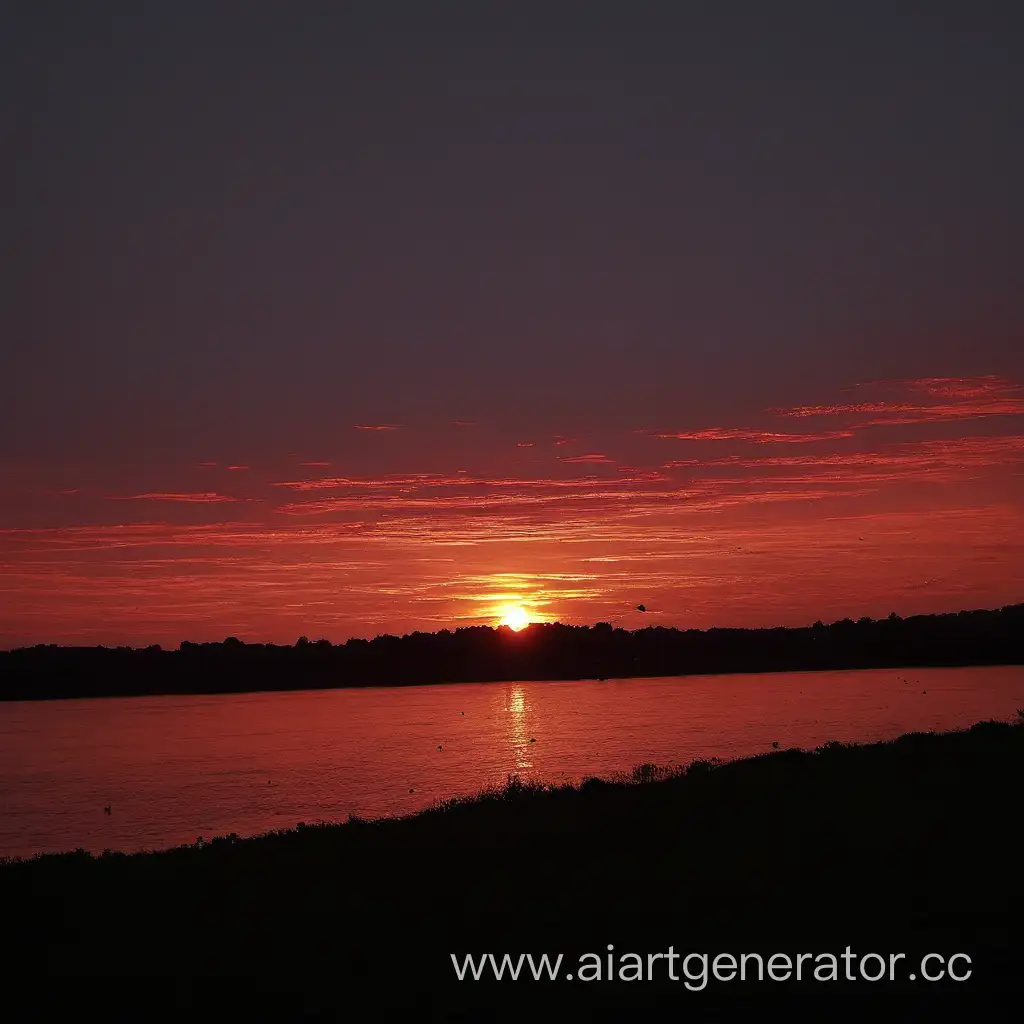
(515, 617)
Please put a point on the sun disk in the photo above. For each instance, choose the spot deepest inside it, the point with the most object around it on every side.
(515, 617)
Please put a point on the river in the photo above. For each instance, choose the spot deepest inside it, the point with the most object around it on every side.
(172, 769)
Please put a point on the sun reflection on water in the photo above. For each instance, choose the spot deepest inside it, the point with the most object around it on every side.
(519, 708)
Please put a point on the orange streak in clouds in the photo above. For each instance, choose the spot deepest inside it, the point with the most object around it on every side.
(757, 436)
(205, 498)
(972, 398)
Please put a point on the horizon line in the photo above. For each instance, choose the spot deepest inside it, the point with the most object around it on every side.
(892, 616)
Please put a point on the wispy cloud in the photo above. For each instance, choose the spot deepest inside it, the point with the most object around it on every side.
(171, 535)
(756, 436)
(375, 426)
(959, 453)
(592, 457)
(956, 399)
(963, 388)
(206, 498)
(408, 483)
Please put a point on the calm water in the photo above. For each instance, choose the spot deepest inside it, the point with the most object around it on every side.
(175, 768)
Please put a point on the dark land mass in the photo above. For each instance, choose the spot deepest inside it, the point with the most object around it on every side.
(910, 847)
(541, 651)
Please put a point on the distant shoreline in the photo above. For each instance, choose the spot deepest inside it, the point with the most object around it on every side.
(311, 685)
(541, 652)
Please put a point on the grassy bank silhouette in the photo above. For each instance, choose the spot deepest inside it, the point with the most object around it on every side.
(541, 651)
(905, 846)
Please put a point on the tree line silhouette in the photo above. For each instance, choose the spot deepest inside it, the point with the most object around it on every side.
(540, 651)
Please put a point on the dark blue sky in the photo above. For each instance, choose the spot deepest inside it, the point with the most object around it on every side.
(255, 223)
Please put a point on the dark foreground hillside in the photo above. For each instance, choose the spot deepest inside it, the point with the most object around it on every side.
(907, 847)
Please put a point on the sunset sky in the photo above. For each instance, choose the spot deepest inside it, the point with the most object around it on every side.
(343, 319)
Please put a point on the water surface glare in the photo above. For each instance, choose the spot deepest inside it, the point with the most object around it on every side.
(175, 768)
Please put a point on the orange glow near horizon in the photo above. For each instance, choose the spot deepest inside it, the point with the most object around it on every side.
(881, 506)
